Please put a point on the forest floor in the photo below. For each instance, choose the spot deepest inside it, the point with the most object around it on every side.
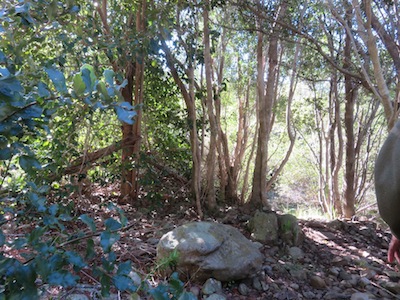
(340, 259)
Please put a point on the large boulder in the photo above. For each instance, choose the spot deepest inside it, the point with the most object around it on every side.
(211, 250)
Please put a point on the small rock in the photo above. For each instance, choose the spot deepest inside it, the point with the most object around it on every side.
(216, 297)
(369, 273)
(334, 295)
(354, 280)
(309, 295)
(361, 296)
(296, 253)
(212, 286)
(363, 281)
(343, 275)
(317, 282)
(346, 284)
(257, 283)
(286, 294)
(338, 261)
(195, 290)
(335, 271)
(265, 286)
(77, 297)
(300, 274)
(243, 289)
(294, 286)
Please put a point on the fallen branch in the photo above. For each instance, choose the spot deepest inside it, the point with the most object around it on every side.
(86, 161)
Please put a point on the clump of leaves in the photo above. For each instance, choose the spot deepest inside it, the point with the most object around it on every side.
(168, 263)
(173, 289)
(42, 252)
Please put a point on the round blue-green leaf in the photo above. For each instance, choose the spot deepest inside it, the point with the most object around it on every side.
(78, 84)
(88, 221)
(58, 79)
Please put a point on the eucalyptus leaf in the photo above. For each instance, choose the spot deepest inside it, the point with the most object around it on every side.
(107, 239)
(75, 259)
(58, 79)
(78, 84)
(29, 163)
(124, 283)
(112, 224)
(62, 278)
(109, 77)
(5, 154)
(43, 90)
(124, 268)
(124, 115)
(88, 221)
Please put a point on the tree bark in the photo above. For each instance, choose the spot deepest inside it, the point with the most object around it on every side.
(127, 134)
(259, 189)
(211, 156)
(336, 162)
(189, 97)
(139, 79)
(350, 98)
(266, 98)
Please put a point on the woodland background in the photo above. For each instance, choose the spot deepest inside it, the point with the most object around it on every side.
(274, 104)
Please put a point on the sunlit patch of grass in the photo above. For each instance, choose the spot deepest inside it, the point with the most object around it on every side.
(307, 213)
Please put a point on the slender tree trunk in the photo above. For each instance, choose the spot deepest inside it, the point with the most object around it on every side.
(337, 164)
(259, 190)
(289, 126)
(127, 133)
(189, 97)
(211, 156)
(319, 123)
(266, 99)
(350, 98)
(228, 180)
(137, 126)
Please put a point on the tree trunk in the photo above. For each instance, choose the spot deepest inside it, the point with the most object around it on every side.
(350, 98)
(189, 97)
(211, 156)
(259, 189)
(336, 162)
(137, 126)
(127, 133)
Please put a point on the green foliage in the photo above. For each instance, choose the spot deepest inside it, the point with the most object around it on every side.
(36, 93)
(173, 289)
(168, 263)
